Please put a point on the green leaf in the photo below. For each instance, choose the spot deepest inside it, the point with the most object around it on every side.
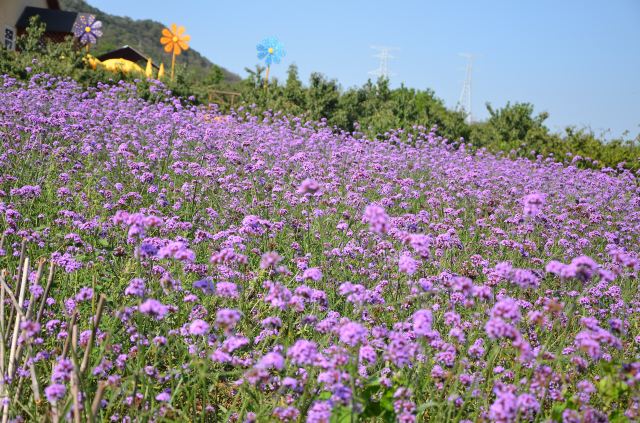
(424, 406)
(605, 385)
(324, 395)
(556, 411)
(386, 401)
(621, 387)
(372, 409)
(618, 417)
(341, 415)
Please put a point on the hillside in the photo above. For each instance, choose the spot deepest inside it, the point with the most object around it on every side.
(142, 35)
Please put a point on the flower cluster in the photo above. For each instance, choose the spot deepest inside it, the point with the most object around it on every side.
(269, 269)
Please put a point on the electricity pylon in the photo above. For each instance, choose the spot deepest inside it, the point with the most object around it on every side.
(384, 56)
(464, 104)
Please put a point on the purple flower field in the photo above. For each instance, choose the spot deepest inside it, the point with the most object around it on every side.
(161, 264)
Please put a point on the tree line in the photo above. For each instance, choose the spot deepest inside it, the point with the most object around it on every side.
(375, 108)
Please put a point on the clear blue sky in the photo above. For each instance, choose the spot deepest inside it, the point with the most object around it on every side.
(579, 60)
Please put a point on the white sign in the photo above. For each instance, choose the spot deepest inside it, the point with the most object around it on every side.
(9, 38)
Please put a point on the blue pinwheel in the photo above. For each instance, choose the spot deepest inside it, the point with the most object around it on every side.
(87, 29)
(272, 51)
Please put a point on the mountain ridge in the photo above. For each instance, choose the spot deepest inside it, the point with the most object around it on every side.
(143, 35)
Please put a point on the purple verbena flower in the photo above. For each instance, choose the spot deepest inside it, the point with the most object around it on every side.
(153, 308)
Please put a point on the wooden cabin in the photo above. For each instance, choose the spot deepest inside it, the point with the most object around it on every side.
(15, 16)
(128, 53)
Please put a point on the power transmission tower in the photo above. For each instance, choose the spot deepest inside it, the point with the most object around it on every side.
(464, 104)
(384, 56)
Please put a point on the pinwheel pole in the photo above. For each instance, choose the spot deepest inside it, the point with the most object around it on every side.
(173, 63)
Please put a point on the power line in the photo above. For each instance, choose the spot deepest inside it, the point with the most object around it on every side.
(384, 56)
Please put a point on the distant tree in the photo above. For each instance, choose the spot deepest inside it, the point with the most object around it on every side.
(294, 93)
(513, 128)
(215, 76)
(322, 97)
(432, 111)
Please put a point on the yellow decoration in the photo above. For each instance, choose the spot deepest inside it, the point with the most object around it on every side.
(91, 61)
(149, 70)
(207, 118)
(161, 71)
(122, 65)
(175, 41)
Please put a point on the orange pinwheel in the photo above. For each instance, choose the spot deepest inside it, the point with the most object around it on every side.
(174, 39)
